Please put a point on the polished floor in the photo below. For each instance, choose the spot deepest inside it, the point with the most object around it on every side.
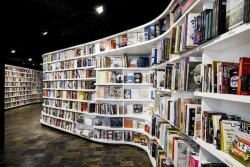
(30, 144)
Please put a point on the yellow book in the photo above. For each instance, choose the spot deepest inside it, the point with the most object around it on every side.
(227, 128)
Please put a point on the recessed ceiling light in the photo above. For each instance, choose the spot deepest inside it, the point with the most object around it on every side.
(13, 51)
(30, 59)
(44, 32)
(99, 9)
(33, 64)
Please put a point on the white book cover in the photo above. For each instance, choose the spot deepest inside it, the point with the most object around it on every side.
(190, 29)
(132, 38)
(129, 108)
(97, 48)
(140, 37)
(160, 79)
(135, 93)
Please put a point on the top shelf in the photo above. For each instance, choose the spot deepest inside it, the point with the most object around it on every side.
(229, 97)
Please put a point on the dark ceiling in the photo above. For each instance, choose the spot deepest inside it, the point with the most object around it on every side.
(69, 23)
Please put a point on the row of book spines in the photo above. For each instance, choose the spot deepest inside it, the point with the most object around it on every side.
(227, 77)
(161, 53)
(68, 64)
(71, 95)
(176, 111)
(59, 123)
(76, 106)
(67, 75)
(15, 69)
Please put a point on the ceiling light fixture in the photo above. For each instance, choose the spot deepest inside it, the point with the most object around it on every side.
(33, 64)
(99, 9)
(13, 51)
(30, 59)
(44, 32)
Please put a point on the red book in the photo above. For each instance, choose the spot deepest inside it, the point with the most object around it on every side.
(244, 76)
(194, 161)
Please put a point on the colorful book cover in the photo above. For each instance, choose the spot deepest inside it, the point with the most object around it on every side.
(234, 13)
(240, 147)
(244, 76)
(227, 128)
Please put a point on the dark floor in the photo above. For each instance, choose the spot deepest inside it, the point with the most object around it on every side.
(30, 144)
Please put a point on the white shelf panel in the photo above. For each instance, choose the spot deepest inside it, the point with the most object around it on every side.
(109, 68)
(124, 68)
(109, 84)
(14, 96)
(69, 99)
(224, 157)
(53, 126)
(16, 86)
(86, 90)
(164, 90)
(17, 81)
(71, 79)
(18, 91)
(123, 100)
(52, 116)
(22, 105)
(229, 97)
(123, 129)
(68, 69)
(73, 58)
(124, 84)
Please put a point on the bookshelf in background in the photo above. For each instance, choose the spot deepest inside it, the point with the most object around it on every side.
(22, 86)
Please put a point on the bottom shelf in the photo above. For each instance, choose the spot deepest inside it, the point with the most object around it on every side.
(23, 105)
(145, 148)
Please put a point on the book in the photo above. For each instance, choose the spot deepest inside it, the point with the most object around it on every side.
(144, 140)
(122, 40)
(132, 38)
(245, 127)
(234, 13)
(193, 76)
(137, 108)
(144, 94)
(118, 136)
(239, 147)
(137, 77)
(128, 123)
(227, 128)
(127, 94)
(116, 122)
(244, 76)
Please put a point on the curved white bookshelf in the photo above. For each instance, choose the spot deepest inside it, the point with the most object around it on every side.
(207, 51)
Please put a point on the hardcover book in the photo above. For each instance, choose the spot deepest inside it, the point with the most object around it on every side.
(245, 127)
(227, 130)
(137, 77)
(240, 146)
(137, 108)
(118, 136)
(234, 13)
(127, 94)
(116, 122)
(244, 76)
